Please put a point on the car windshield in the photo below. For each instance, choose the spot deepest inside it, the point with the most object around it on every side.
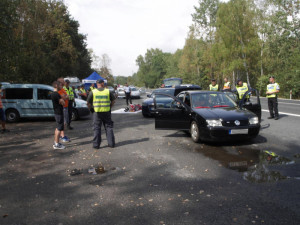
(172, 81)
(208, 100)
(163, 91)
(133, 89)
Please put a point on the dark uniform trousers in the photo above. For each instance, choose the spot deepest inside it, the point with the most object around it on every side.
(70, 109)
(128, 97)
(105, 118)
(273, 106)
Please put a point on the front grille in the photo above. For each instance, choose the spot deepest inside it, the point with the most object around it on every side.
(231, 123)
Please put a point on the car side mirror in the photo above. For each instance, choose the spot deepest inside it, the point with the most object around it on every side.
(179, 106)
(148, 95)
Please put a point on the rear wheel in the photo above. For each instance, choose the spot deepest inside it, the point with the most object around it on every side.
(12, 115)
(75, 115)
(195, 132)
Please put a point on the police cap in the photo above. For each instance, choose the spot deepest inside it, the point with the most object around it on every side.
(100, 81)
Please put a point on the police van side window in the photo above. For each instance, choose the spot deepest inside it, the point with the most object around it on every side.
(44, 94)
(19, 93)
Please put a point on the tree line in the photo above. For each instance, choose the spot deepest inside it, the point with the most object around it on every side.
(239, 39)
(40, 42)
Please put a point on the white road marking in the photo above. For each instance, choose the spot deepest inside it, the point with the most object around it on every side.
(284, 113)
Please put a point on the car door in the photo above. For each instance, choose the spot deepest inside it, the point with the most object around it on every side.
(170, 113)
(253, 104)
(44, 102)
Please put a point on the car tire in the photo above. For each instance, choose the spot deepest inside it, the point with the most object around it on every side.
(195, 132)
(12, 115)
(75, 115)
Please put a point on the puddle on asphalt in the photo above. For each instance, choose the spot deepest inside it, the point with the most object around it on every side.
(255, 164)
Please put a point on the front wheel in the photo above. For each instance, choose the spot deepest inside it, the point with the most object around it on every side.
(12, 115)
(195, 132)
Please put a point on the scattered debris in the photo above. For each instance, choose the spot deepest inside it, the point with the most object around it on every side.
(75, 172)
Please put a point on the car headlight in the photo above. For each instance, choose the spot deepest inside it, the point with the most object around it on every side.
(253, 120)
(214, 123)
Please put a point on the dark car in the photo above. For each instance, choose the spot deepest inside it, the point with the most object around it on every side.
(148, 105)
(209, 116)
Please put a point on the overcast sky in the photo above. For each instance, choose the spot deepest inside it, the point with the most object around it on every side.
(125, 29)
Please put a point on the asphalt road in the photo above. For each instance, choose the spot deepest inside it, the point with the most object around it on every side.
(151, 177)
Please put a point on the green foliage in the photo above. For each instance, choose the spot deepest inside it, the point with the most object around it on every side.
(239, 39)
(41, 42)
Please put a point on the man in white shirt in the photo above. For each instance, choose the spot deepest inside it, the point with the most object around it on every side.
(127, 91)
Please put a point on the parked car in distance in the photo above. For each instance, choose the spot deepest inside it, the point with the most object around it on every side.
(121, 93)
(135, 93)
(209, 116)
(32, 101)
(148, 105)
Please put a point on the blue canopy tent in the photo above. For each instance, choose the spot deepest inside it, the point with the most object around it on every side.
(91, 80)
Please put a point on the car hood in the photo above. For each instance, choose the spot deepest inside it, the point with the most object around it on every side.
(224, 113)
(148, 101)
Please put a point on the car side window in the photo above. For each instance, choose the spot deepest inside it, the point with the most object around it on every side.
(44, 94)
(19, 93)
(187, 100)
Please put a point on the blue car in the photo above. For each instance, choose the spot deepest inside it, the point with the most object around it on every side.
(148, 105)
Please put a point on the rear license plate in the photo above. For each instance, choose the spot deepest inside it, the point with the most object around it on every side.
(238, 131)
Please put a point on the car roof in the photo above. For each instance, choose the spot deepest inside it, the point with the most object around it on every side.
(27, 86)
(203, 92)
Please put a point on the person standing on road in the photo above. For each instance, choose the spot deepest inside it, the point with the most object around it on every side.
(102, 100)
(272, 91)
(2, 115)
(65, 97)
(213, 86)
(70, 93)
(127, 91)
(226, 84)
(241, 89)
(58, 104)
(82, 93)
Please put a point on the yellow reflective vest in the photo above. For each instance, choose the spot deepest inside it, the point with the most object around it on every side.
(226, 85)
(272, 88)
(70, 92)
(242, 90)
(214, 88)
(101, 100)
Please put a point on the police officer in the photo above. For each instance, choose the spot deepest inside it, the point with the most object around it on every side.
(70, 93)
(226, 84)
(213, 86)
(241, 89)
(82, 93)
(101, 100)
(272, 90)
(127, 91)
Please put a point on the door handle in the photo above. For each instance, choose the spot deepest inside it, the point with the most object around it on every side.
(40, 103)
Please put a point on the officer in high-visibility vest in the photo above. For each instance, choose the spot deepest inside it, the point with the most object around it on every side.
(100, 100)
(70, 93)
(272, 91)
(226, 84)
(241, 89)
(82, 92)
(213, 86)
(92, 87)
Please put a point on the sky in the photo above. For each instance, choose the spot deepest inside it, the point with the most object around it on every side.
(125, 29)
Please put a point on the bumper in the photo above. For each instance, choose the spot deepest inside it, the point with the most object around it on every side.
(83, 112)
(147, 110)
(223, 134)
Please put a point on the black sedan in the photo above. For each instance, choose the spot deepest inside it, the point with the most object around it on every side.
(148, 105)
(209, 116)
